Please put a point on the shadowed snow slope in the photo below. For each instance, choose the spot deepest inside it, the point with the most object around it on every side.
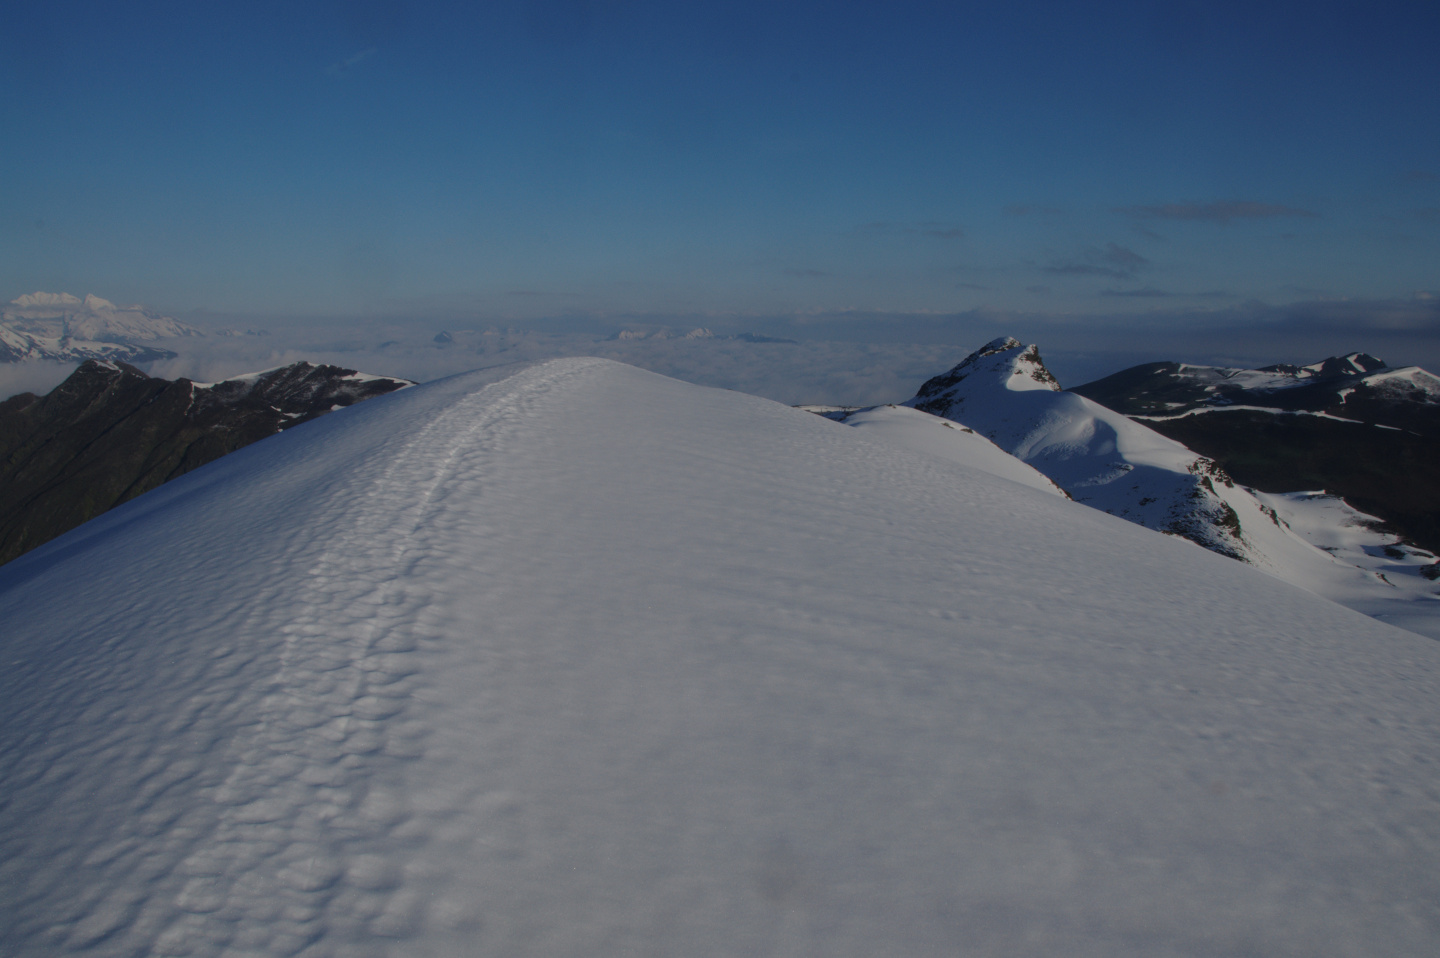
(592, 662)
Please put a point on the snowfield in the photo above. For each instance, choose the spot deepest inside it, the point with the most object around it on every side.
(587, 661)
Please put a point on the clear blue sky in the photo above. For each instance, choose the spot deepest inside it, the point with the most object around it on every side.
(1161, 161)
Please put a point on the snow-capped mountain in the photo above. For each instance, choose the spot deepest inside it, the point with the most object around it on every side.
(1099, 457)
(110, 432)
(1348, 424)
(1106, 460)
(66, 328)
(1344, 386)
(586, 661)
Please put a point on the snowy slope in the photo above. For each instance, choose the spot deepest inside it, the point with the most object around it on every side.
(1102, 458)
(592, 662)
(1401, 584)
(930, 435)
(1107, 460)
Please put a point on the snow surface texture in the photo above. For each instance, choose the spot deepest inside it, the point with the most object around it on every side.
(1109, 461)
(933, 436)
(592, 662)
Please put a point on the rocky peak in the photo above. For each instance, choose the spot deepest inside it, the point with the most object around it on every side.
(1003, 363)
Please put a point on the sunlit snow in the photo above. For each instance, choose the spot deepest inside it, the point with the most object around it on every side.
(587, 661)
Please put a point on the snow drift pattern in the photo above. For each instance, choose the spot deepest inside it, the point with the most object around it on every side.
(590, 662)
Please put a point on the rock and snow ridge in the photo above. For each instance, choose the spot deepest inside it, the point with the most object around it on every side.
(65, 328)
(1350, 385)
(109, 433)
(1351, 424)
(1099, 457)
(592, 662)
(1109, 461)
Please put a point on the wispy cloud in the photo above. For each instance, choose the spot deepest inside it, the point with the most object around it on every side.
(1026, 209)
(1114, 261)
(1219, 212)
(1147, 292)
(346, 65)
(1419, 176)
(971, 286)
(805, 273)
(1420, 313)
(934, 229)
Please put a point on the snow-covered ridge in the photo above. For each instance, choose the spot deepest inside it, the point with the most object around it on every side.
(929, 435)
(591, 662)
(1099, 457)
(1241, 408)
(1113, 463)
(1160, 388)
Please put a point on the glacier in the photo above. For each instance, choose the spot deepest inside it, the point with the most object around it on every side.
(574, 659)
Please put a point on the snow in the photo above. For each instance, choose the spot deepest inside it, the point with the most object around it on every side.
(87, 324)
(586, 661)
(930, 435)
(46, 299)
(1116, 464)
(1100, 457)
(1407, 379)
(1402, 597)
(1232, 407)
(1356, 367)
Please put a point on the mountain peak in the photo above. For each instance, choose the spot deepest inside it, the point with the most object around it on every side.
(999, 344)
(1003, 363)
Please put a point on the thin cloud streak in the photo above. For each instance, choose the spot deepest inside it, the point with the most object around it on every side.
(1219, 212)
(1114, 261)
(931, 228)
(1143, 293)
(344, 66)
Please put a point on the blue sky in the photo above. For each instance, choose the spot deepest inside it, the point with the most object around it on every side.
(1195, 168)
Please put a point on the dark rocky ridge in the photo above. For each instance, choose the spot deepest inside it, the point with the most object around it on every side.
(1385, 460)
(110, 432)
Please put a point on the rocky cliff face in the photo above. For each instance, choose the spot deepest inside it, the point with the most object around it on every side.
(110, 432)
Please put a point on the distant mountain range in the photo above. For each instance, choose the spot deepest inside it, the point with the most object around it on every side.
(65, 328)
(110, 432)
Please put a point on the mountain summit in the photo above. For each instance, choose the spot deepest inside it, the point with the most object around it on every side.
(1101, 458)
(590, 662)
